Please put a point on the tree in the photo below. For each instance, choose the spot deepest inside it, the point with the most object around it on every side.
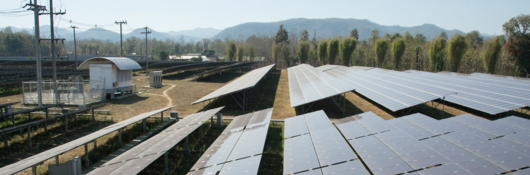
(163, 55)
(303, 51)
(177, 49)
(395, 36)
(275, 53)
(474, 39)
(420, 38)
(354, 34)
(374, 35)
(208, 52)
(437, 53)
(251, 54)
(408, 37)
(231, 50)
(304, 36)
(518, 43)
(333, 50)
(240, 53)
(347, 46)
(492, 54)
(398, 49)
(282, 36)
(381, 46)
(443, 35)
(322, 51)
(286, 55)
(457, 48)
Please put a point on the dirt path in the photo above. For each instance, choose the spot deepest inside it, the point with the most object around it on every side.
(170, 101)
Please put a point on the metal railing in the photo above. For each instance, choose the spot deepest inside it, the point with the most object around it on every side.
(68, 92)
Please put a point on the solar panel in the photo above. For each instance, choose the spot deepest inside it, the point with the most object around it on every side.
(137, 158)
(250, 143)
(312, 172)
(246, 81)
(36, 159)
(351, 167)
(501, 156)
(307, 84)
(477, 96)
(516, 121)
(295, 126)
(324, 146)
(238, 145)
(444, 170)
(246, 166)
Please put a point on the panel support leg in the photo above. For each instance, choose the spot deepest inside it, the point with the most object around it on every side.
(65, 124)
(6, 145)
(201, 133)
(95, 144)
(57, 160)
(119, 133)
(34, 170)
(46, 122)
(143, 123)
(166, 168)
(187, 147)
(86, 156)
(29, 137)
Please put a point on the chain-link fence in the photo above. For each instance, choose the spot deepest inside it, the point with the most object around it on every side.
(70, 92)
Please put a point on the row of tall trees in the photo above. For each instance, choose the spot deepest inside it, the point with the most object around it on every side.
(504, 54)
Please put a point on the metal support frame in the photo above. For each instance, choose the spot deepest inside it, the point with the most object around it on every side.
(201, 132)
(87, 162)
(29, 137)
(57, 160)
(143, 123)
(187, 147)
(46, 122)
(93, 118)
(343, 111)
(6, 145)
(119, 133)
(166, 167)
(65, 124)
(95, 144)
(34, 170)
(162, 117)
(436, 107)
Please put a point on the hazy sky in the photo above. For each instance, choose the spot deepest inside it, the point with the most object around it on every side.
(486, 16)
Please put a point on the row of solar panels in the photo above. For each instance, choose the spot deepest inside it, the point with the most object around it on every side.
(48, 154)
(238, 149)
(246, 81)
(400, 90)
(414, 144)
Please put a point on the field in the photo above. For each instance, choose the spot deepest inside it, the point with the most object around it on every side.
(181, 93)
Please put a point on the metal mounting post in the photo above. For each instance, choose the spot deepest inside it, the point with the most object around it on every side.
(162, 117)
(95, 144)
(86, 156)
(119, 133)
(29, 137)
(6, 145)
(166, 168)
(57, 160)
(143, 123)
(46, 122)
(187, 147)
(65, 124)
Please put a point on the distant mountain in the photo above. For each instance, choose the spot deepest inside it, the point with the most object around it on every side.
(198, 32)
(330, 27)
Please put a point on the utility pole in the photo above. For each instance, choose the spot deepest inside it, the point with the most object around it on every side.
(75, 45)
(121, 40)
(36, 8)
(146, 53)
(54, 71)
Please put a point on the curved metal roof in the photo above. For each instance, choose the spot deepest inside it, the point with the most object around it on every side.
(123, 63)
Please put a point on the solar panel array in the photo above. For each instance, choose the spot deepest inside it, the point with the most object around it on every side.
(313, 146)
(246, 81)
(393, 94)
(239, 147)
(223, 68)
(307, 84)
(41, 157)
(477, 93)
(136, 159)
(493, 151)
(388, 150)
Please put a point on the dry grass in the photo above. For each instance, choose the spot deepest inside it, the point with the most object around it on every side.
(282, 102)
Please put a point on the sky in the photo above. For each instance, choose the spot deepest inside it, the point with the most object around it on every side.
(486, 16)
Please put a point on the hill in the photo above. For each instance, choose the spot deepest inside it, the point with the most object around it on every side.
(198, 32)
(330, 27)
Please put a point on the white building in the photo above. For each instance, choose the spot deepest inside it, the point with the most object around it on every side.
(115, 72)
